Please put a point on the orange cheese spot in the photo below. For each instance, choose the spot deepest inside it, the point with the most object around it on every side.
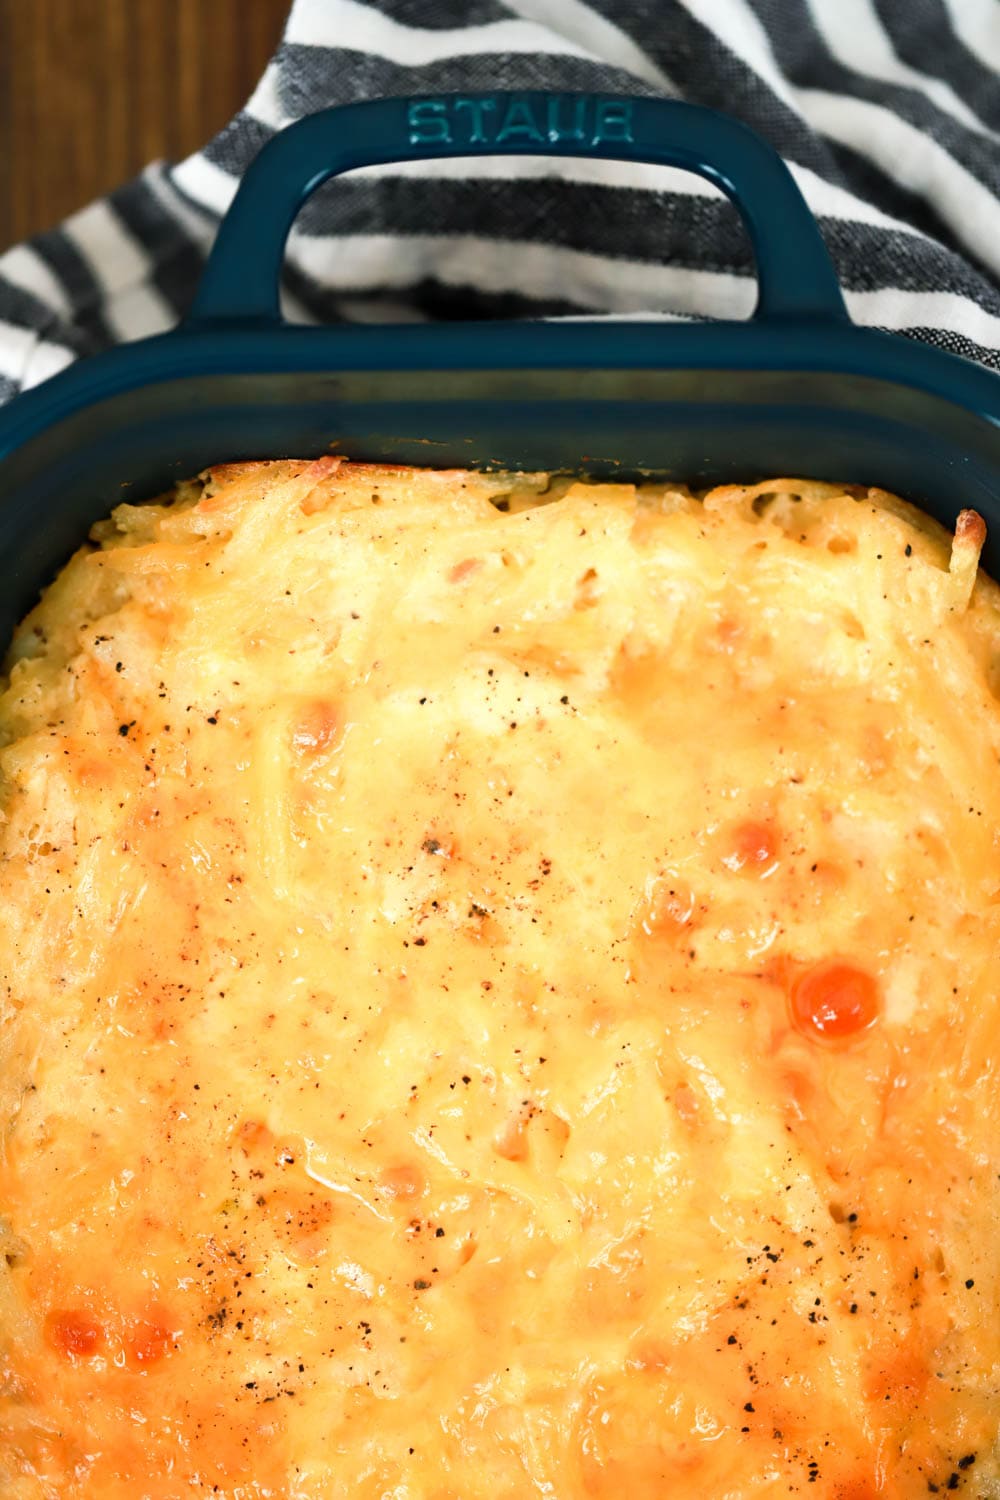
(301, 1218)
(252, 1134)
(404, 1181)
(147, 814)
(93, 772)
(318, 498)
(587, 593)
(827, 876)
(670, 909)
(532, 1131)
(323, 467)
(149, 1339)
(752, 847)
(74, 1333)
(798, 1087)
(728, 633)
(649, 1353)
(686, 1103)
(858, 1489)
(317, 728)
(901, 1376)
(833, 1000)
(464, 569)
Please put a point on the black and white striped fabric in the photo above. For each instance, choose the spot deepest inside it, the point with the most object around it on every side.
(888, 112)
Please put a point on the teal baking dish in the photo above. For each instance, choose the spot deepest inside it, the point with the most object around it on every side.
(796, 389)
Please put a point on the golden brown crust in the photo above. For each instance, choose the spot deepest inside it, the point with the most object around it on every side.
(970, 529)
(498, 995)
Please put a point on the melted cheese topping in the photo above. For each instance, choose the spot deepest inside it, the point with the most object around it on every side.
(499, 997)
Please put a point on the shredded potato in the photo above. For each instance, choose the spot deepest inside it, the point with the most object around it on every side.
(499, 996)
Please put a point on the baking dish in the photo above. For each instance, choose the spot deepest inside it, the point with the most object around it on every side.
(796, 389)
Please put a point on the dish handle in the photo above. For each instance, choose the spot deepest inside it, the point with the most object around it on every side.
(795, 276)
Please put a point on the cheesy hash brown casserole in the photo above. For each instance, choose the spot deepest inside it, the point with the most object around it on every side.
(500, 997)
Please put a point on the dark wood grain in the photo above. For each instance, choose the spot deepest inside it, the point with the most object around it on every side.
(91, 90)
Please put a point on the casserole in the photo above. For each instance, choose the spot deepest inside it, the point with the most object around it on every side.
(150, 1334)
(797, 389)
(498, 995)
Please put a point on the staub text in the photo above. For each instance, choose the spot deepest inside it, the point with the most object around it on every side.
(485, 120)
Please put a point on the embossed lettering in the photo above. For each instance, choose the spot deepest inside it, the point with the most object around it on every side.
(519, 123)
(475, 120)
(428, 122)
(477, 110)
(613, 121)
(571, 129)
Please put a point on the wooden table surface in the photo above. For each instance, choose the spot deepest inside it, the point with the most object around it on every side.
(91, 90)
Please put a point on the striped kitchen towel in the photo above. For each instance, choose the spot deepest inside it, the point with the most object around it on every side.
(888, 112)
